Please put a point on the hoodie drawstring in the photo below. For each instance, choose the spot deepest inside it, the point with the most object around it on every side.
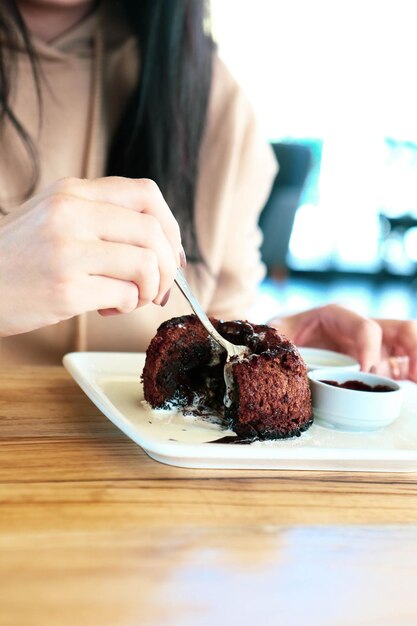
(89, 166)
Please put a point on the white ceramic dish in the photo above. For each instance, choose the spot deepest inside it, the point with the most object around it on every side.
(111, 381)
(353, 410)
(316, 358)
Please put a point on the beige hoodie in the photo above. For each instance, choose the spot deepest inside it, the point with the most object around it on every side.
(90, 72)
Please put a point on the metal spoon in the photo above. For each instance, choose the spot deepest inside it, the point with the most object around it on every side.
(231, 348)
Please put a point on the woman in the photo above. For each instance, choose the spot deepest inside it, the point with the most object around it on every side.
(134, 89)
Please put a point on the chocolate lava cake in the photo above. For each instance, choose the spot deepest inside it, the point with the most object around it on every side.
(268, 396)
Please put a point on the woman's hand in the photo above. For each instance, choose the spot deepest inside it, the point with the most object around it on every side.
(386, 346)
(399, 349)
(106, 244)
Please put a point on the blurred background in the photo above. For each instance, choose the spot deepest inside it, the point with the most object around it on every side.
(333, 85)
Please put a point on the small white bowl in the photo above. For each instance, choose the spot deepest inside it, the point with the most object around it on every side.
(352, 410)
(316, 358)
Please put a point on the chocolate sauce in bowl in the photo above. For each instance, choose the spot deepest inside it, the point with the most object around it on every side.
(357, 385)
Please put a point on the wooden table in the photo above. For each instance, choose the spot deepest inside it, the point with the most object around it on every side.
(95, 533)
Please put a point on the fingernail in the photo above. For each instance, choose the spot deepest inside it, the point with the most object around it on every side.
(107, 312)
(183, 259)
(166, 298)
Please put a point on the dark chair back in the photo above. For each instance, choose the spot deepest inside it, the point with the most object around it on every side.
(277, 218)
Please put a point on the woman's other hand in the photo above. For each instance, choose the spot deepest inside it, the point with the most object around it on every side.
(388, 347)
(110, 244)
(399, 349)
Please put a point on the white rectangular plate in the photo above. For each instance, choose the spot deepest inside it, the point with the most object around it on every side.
(112, 381)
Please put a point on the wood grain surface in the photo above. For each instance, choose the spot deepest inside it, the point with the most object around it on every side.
(94, 532)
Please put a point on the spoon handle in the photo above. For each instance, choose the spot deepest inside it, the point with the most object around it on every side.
(198, 310)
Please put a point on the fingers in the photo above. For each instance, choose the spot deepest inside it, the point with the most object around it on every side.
(75, 220)
(388, 347)
(78, 246)
(368, 337)
(399, 367)
(102, 292)
(405, 345)
(407, 342)
(360, 336)
(80, 293)
(141, 195)
(307, 330)
(128, 263)
(400, 347)
(138, 230)
(336, 328)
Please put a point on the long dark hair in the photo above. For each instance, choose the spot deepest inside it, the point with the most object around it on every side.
(11, 25)
(160, 133)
